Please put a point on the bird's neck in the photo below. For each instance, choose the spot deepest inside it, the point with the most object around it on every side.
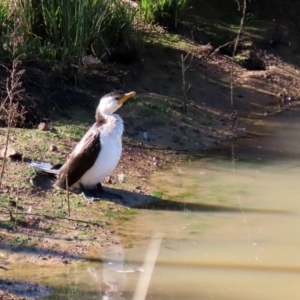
(101, 117)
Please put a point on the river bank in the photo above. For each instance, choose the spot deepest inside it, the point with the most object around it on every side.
(158, 133)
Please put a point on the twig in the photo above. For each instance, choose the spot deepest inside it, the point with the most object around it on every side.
(13, 88)
(235, 47)
(11, 217)
(4, 157)
(17, 203)
(68, 195)
(184, 68)
(234, 116)
(235, 113)
(238, 4)
(224, 45)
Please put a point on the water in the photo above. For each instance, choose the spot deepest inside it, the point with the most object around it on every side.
(229, 229)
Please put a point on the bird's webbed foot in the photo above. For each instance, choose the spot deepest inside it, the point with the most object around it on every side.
(98, 193)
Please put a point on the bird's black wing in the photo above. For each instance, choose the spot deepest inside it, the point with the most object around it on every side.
(82, 158)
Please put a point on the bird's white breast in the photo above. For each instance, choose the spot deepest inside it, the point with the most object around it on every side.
(110, 153)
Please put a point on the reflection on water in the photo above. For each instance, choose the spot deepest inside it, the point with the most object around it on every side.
(230, 229)
(110, 275)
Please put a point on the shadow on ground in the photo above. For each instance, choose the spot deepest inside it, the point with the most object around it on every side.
(142, 201)
(22, 289)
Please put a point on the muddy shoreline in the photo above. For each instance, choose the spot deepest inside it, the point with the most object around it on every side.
(68, 246)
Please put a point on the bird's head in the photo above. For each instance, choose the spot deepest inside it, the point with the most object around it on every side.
(113, 101)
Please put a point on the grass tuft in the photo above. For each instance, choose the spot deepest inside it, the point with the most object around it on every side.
(162, 11)
(65, 31)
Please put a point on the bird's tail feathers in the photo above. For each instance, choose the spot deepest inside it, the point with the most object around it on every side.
(43, 167)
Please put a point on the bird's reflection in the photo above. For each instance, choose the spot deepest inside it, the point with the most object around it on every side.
(113, 274)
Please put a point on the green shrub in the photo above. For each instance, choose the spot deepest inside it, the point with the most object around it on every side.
(5, 29)
(66, 30)
(118, 32)
(162, 11)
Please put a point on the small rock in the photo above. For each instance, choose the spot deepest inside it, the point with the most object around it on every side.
(11, 152)
(108, 180)
(43, 126)
(53, 148)
(121, 177)
(145, 135)
(92, 62)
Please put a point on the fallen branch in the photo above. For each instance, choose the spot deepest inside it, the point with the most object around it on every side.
(225, 45)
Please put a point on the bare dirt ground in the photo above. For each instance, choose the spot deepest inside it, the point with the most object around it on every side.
(34, 221)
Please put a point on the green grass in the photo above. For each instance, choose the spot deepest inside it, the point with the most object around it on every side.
(66, 30)
(110, 214)
(74, 131)
(20, 218)
(188, 194)
(129, 212)
(160, 11)
(157, 194)
(29, 173)
(61, 212)
(5, 28)
(20, 240)
(8, 225)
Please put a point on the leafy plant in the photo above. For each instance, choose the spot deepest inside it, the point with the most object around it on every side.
(5, 29)
(66, 30)
(162, 11)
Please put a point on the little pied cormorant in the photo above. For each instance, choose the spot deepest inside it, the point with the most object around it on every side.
(98, 152)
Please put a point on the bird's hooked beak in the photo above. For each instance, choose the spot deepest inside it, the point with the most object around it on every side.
(126, 97)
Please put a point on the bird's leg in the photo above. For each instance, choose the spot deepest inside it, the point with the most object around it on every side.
(98, 193)
(86, 193)
(99, 187)
(102, 193)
